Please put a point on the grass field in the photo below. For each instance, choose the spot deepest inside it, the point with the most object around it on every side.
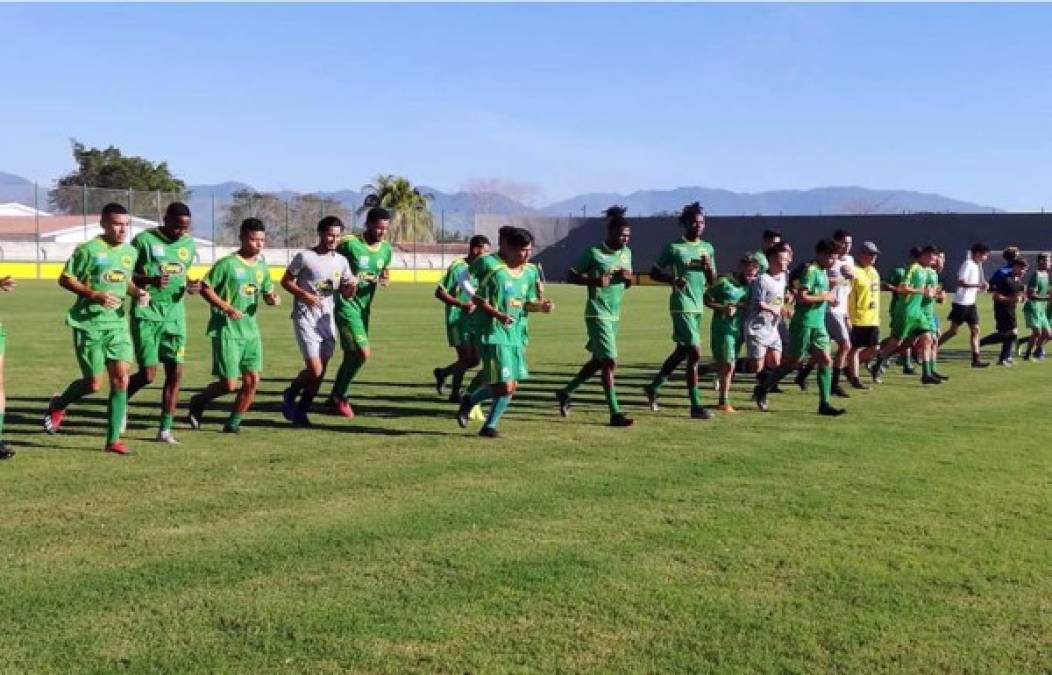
(912, 535)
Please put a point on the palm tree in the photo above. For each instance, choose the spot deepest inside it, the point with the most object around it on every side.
(411, 220)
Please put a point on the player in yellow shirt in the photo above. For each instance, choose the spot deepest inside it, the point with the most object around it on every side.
(864, 312)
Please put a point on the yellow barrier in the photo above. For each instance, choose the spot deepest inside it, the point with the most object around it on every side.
(52, 270)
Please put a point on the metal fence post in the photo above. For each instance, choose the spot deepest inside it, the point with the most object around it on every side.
(84, 208)
(36, 221)
(213, 228)
(286, 231)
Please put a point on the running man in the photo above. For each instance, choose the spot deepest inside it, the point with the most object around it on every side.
(100, 274)
(763, 339)
(369, 256)
(6, 284)
(898, 276)
(459, 310)
(689, 267)
(728, 298)
(232, 287)
(970, 282)
(911, 324)
(864, 312)
(807, 330)
(1035, 309)
(770, 238)
(1008, 291)
(314, 278)
(606, 270)
(504, 294)
(158, 329)
(837, 324)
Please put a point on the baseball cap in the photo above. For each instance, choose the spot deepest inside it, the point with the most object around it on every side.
(870, 247)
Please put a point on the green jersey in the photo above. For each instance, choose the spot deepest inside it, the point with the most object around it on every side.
(1038, 282)
(761, 261)
(238, 283)
(599, 261)
(729, 291)
(931, 281)
(368, 263)
(158, 255)
(451, 284)
(103, 268)
(683, 259)
(507, 291)
(814, 281)
(898, 275)
(917, 278)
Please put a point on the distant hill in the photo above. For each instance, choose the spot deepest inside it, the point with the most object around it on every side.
(16, 189)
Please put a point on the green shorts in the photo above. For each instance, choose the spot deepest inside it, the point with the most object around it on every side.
(905, 327)
(157, 342)
(686, 329)
(602, 337)
(1036, 316)
(353, 328)
(457, 335)
(503, 363)
(231, 357)
(96, 347)
(804, 339)
(725, 346)
(3, 340)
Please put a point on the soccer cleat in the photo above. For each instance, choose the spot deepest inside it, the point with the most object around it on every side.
(564, 403)
(288, 404)
(940, 376)
(440, 379)
(651, 398)
(930, 379)
(776, 390)
(876, 372)
(829, 411)
(837, 390)
(476, 414)
(118, 448)
(801, 380)
(759, 394)
(857, 383)
(700, 413)
(909, 370)
(980, 364)
(489, 432)
(341, 407)
(726, 408)
(228, 429)
(464, 411)
(53, 417)
(195, 413)
(619, 420)
(300, 420)
(1007, 363)
(5, 451)
(165, 436)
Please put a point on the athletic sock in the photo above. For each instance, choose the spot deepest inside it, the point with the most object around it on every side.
(1028, 349)
(723, 398)
(576, 382)
(481, 394)
(352, 363)
(1007, 345)
(805, 372)
(825, 384)
(477, 382)
(695, 396)
(458, 381)
(659, 380)
(76, 390)
(763, 374)
(991, 339)
(234, 421)
(775, 376)
(611, 400)
(837, 372)
(1, 425)
(303, 405)
(166, 421)
(500, 404)
(118, 406)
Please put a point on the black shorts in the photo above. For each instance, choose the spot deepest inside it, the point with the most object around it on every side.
(964, 314)
(1004, 317)
(865, 336)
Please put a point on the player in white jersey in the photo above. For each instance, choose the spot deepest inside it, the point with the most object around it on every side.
(970, 282)
(313, 278)
(763, 340)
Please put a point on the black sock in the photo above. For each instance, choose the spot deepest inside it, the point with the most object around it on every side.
(837, 372)
(991, 339)
(1006, 347)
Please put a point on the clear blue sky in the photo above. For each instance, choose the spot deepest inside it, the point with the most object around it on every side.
(955, 99)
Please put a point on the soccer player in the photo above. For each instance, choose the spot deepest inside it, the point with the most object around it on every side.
(313, 278)
(807, 330)
(233, 287)
(728, 298)
(770, 238)
(459, 311)
(939, 296)
(970, 282)
(864, 312)
(158, 329)
(1008, 291)
(100, 274)
(763, 339)
(606, 270)
(689, 267)
(898, 276)
(369, 255)
(911, 323)
(837, 324)
(504, 294)
(6, 284)
(1035, 309)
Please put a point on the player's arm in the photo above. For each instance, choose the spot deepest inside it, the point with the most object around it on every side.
(270, 292)
(446, 298)
(708, 267)
(545, 305)
(288, 282)
(77, 287)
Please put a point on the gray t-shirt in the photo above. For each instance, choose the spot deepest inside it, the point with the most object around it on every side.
(321, 274)
(770, 290)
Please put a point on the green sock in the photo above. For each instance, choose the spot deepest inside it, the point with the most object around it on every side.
(657, 382)
(611, 400)
(934, 363)
(825, 383)
(118, 406)
(500, 404)
(352, 363)
(234, 421)
(166, 421)
(1, 424)
(926, 367)
(76, 390)
(723, 398)
(695, 396)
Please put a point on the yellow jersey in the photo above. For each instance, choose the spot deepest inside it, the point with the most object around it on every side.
(864, 302)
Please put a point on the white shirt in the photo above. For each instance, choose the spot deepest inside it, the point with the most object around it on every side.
(969, 273)
(840, 283)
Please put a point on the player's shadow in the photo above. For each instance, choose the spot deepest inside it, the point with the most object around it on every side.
(350, 427)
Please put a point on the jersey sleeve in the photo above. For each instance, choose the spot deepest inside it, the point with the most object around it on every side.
(79, 264)
(711, 252)
(534, 295)
(268, 282)
(296, 266)
(583, 266)
(215, 276)
(142, 252)
(666, 259)
(388, 256)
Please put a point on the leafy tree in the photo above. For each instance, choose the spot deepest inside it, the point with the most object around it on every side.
(109, 175)
(411, 220)
(290, 222)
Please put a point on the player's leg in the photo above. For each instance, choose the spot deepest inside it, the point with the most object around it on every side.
(354, 340)
(843, 349)
(684, 334)
(803, 373)
(824, 362)
(799, 336)
(5, 451)
(250, 366)
(146, 337)
(602, 346)
(587, 371)
(456, 339)
(617, 417)
(91, 358)
(697, 410)
(226, 359)
(117, 406)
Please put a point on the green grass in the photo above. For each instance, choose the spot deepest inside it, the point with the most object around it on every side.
(911, 535)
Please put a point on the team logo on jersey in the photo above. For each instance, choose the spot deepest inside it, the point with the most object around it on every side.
(515, 302)
(115, 276)
(172, 268)
(126, 261)
(363, 261)
(249, 290)
(183, 254)
(102, 259)
(326, 285)
(158, 250)
(239, 273)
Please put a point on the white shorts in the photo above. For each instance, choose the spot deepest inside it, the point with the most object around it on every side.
(758, 343)
(316, 336)
(836, 326)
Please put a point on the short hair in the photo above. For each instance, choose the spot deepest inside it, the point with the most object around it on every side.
(177, 210)
(690, 212)
(504, 231)
(841, 234)
(377, 213)
(252, 225)
(929, 248)
(113, 209)
(914, 252)
(327, 222)
(615, 217)
(771, 233)
(519, 238)
(478, 240)
(825, 246)
(980, 248)
(780, 247)
(1020, 261)
(1010, 253)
